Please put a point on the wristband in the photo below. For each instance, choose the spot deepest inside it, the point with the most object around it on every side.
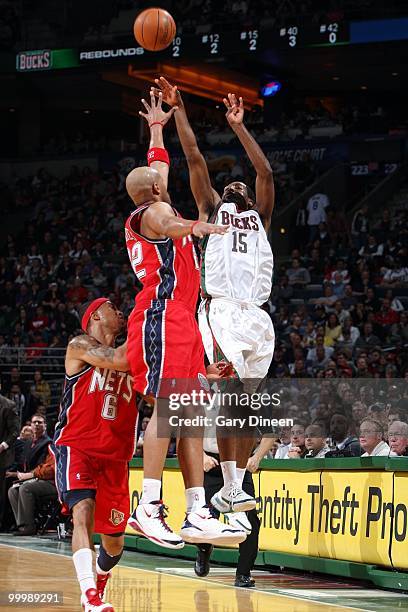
(192, 227)
(156, 123)
(157, 154)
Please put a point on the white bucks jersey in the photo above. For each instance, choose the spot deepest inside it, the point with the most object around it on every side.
(239, 264)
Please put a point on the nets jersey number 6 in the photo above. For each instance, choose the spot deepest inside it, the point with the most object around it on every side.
(136, 258)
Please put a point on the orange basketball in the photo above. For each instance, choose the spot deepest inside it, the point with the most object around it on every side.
(154, 29)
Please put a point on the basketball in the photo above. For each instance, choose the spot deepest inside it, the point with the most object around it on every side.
(154, 29)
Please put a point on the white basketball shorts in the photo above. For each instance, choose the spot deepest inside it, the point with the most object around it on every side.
(240, 333)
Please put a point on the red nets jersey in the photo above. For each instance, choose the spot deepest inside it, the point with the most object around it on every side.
(98, 414)
(168, 269)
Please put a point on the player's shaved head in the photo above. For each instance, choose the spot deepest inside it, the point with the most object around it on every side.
(143, 184)
(146, 184)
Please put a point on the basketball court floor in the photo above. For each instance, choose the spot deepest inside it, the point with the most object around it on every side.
(150, 583)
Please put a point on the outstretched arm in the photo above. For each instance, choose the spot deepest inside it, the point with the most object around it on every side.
(159, 219)
(84, 349)
(156, 119)
(264, 187)
(205, 196)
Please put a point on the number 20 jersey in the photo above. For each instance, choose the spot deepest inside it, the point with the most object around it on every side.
(239, 264)
(98, 414)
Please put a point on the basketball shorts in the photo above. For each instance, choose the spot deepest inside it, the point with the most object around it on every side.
(75, 470)
(164, 344)
(241, 334)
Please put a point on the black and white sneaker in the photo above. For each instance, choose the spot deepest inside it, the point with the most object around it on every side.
(201, 527)
(232, 498)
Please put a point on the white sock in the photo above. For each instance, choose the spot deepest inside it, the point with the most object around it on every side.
(229, 472)
(82, 559)
(241, 474)
(151, 490)
(195, 498)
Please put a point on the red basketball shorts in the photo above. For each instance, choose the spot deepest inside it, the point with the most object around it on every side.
(164, 342)
(76, 470)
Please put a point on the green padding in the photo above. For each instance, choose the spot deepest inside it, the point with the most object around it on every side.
(390, 464)
(317, 564)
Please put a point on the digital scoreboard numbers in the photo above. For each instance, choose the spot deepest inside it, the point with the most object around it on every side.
(176, 47)
(249, 40)
(330, 33)
(215, 44)
(319, 35)
(212, 43)
(289, 36)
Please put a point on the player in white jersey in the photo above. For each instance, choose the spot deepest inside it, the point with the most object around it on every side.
(236, 276)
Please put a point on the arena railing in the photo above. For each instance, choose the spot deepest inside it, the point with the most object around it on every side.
(28, 360)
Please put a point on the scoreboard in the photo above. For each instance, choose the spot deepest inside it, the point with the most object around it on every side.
(220, 43)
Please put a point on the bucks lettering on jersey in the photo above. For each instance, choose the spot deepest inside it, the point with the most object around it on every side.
(239, 264)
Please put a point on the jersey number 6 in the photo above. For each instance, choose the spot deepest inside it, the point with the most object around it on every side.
(110, 407)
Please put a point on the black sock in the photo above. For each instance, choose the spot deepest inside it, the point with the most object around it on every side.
(105, 561)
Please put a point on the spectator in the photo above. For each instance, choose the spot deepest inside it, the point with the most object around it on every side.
(342, 439)
(328, 299)
(367, 338)
(339, 271)
(359, 412)
(36, 449)
(40, 390)
(387, 316)
(14, 378)
(371, 439)
(283, 292)
(371, 249)
(332, 330)
(360, 227)
(284, 445)
(297, 449)
(315, 442)
(316, 208)
(398, 439)
(32, 489)
(298, 276)
(77, 293)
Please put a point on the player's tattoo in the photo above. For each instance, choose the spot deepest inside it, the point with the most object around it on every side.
(106, 353)
(92, 348)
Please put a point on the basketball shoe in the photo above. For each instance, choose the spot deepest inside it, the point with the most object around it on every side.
(149, 520)
(202, 527)
(239, 520)
(91, 602)
(232, 498)
(101, 582)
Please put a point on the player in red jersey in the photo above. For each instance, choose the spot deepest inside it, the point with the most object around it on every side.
(93, 442)
(164, 341)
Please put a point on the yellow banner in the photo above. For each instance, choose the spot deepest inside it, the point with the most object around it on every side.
(359, 516)
(284, 509)
(350, 516)
(400, 522)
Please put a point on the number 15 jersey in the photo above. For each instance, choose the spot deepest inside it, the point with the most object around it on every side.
(239, 264)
